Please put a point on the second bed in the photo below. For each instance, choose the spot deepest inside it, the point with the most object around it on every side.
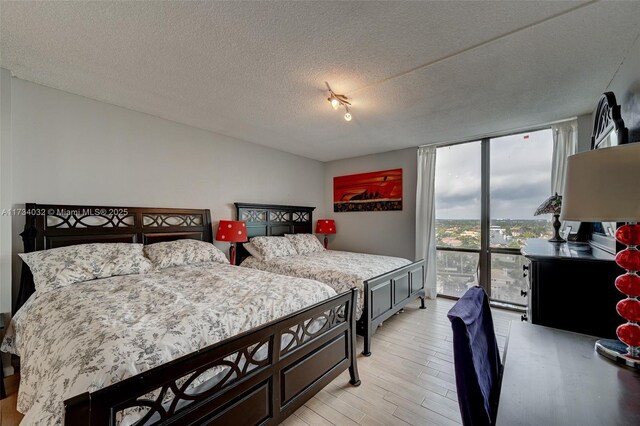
(385, 284)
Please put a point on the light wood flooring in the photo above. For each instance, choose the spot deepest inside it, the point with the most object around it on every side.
(409, 379)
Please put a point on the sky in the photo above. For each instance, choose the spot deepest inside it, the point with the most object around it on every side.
(520, 177)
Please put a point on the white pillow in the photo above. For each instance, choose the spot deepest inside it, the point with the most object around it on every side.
(59, 267)
(253, 251)
(183, 252)
(305, 243)
(270, 247)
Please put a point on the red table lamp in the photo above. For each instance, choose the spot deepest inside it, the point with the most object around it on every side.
(326, 226)
(602, 186)
(232, 231)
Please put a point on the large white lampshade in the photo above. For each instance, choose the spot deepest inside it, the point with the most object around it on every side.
(603, 185)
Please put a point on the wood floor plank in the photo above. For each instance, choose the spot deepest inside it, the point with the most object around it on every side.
(409, 379)
(340, 406)
(311, 417)
(329, 413)
(375, 409)
(294, 420)
(428, 416)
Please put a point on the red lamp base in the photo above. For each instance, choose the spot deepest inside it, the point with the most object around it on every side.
(232, 253)
(326, 242)
(626, 350)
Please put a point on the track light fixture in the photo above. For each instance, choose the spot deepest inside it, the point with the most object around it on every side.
(337, 100)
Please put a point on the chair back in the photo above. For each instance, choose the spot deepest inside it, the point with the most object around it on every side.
(477, 360)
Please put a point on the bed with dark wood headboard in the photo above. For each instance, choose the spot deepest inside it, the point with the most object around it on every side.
(52, 225)
(265, 395)
(384, 295)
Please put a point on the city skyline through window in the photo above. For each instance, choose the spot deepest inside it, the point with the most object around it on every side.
(516, 171)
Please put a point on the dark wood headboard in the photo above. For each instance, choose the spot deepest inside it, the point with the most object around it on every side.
(273, 220)
(54, 225)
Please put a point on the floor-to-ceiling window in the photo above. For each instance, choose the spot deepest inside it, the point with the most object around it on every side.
(458, 210)
(486, 194)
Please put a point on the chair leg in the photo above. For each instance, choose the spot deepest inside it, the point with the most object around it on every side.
(422, 305)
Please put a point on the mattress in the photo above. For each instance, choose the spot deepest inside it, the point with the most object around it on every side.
(342, 270)
(89, 335)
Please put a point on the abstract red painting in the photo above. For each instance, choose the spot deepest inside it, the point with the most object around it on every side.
(366, 192)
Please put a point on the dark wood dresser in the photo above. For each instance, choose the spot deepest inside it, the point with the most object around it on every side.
(571, 287)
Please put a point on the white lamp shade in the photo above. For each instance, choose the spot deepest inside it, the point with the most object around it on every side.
(603, 185)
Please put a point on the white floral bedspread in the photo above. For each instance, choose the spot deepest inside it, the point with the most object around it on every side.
(89, 335)
(342, 270)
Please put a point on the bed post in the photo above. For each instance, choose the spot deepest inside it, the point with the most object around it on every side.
(353, 367)
(77, 410)
(366, 314)
(27, 287)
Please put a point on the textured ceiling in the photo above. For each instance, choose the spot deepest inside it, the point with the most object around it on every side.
(417, 72)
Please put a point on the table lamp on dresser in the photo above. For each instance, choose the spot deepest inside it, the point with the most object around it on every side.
(603, 185)
(232, 231)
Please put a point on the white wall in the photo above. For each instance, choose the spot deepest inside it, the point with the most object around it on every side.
(67, 149)
(390, 233)
(5, 190)
(585, 128)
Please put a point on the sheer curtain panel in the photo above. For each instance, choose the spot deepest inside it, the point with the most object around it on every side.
(426, 216)
(565, 142)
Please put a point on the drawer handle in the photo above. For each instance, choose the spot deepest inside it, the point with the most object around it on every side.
(524, 318)
(523, 293)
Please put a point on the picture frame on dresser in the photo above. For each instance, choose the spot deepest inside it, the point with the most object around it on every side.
(570, 230)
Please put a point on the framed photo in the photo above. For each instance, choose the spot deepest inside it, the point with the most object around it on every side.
(569, 230)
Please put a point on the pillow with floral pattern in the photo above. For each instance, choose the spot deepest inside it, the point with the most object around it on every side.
(63, 266)
(305, 243)
(183, 252)
(271, 247)
(253, 251)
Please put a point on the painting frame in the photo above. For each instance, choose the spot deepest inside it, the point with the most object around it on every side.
(367, 192)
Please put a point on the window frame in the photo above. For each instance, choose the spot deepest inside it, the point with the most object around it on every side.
(485, 251)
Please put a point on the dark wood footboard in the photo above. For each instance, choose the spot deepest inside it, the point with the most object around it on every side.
(387, 294)
(254, 390)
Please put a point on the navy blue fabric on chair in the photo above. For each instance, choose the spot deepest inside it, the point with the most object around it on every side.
(476, 357)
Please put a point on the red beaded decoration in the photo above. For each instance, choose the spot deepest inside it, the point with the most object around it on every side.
(629, 284)
(629, 235)
(629, 309)
(629, 334)
(629, 259)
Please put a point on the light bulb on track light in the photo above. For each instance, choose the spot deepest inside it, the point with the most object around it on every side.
(335, 103)
(347, 116)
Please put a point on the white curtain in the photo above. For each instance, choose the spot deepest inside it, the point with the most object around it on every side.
(565, 143)
(426, 216)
